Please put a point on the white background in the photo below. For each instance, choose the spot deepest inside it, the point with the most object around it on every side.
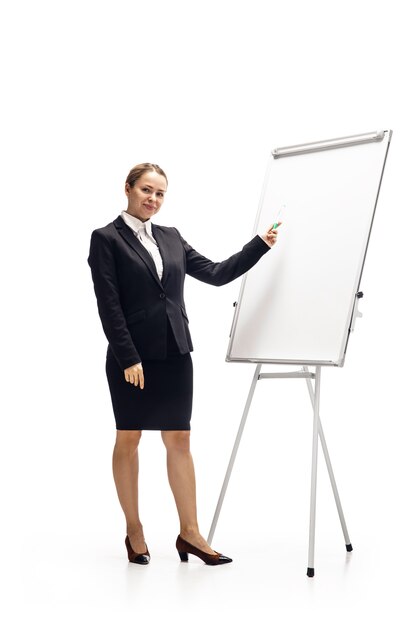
(206, 90)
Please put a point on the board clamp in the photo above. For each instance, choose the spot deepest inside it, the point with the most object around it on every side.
(317, 146)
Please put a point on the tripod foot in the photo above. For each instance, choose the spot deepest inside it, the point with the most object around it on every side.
(310, 572)
(349, 547)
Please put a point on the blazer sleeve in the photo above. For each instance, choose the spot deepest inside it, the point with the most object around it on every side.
(103, 270)
(223, 272)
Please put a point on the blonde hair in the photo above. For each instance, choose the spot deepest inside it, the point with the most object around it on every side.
(138, 170)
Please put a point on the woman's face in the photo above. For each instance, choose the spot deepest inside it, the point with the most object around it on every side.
(146, 197)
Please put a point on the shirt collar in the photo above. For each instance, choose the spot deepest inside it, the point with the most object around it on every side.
(136, 224)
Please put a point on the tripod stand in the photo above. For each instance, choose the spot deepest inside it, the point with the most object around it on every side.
(317, 433)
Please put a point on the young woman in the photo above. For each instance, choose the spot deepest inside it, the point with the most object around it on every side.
(138, 270)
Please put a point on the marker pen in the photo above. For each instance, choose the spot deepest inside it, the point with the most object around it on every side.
(275, 225)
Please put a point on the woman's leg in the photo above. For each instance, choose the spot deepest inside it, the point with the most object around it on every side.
(182, 481)
(125, 472)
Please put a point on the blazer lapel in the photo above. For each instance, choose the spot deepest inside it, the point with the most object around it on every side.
(134, 243)
(159, 238)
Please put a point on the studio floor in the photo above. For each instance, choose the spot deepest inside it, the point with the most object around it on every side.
(79, 579)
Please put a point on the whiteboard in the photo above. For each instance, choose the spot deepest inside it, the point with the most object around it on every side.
(296, 304)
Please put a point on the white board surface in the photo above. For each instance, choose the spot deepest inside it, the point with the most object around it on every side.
(296, 304)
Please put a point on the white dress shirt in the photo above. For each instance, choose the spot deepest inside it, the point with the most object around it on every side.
(143, 231)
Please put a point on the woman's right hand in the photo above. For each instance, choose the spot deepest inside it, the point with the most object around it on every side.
(134, 375)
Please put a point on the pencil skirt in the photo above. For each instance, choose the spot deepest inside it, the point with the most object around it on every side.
(165, 403)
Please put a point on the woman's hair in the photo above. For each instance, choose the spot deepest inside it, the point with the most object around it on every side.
(137, 171)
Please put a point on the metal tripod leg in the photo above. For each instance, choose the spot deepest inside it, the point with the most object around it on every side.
(330, 471)
(313, 493)
(234, 452)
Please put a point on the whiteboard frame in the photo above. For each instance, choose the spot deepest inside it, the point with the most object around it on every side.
(288, 151)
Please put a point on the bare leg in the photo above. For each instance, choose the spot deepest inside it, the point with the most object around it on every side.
(125, 472)
(182, 481)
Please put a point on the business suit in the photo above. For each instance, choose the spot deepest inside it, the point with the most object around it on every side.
(141, 314)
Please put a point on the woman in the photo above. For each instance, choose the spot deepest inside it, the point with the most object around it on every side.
(138, 269)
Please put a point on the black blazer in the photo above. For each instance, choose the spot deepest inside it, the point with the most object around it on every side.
(134, 304)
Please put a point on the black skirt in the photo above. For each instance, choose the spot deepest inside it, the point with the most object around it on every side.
(165, 403)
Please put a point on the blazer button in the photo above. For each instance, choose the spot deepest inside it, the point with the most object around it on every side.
(162, 296)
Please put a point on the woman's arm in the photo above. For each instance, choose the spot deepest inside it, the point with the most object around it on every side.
(224, 272)
(103, 270)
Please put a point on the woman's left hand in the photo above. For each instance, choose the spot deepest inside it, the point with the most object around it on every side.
(271, 235)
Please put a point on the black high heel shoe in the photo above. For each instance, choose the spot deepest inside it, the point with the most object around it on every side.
(184, 549)
(134, 557)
